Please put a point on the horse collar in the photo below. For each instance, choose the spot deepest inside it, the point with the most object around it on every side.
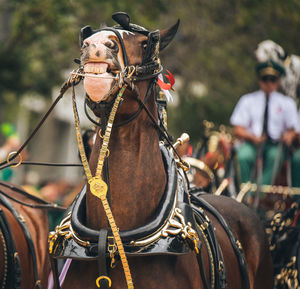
(170, 231)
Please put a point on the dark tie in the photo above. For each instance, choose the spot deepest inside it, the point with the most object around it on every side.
(266, 113)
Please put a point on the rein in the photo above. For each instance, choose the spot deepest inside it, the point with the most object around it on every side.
(31, 163)
(7, 163)
(43, 204)
(63, 89)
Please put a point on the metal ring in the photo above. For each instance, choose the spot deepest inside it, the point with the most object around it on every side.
(103, 277)
(14, 153)
(100, 135)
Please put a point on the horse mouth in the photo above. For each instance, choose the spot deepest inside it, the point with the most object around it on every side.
(100, 81)
(98, 68)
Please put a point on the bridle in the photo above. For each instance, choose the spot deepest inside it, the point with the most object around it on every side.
(149, 68)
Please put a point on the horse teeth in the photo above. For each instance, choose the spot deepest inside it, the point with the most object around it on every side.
(96, 69)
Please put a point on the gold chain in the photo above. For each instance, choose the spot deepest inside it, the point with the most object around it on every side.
(97, 186)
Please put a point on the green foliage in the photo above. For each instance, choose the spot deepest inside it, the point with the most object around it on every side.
(215, 46)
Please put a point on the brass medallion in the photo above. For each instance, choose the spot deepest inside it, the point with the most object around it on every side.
(98, 187)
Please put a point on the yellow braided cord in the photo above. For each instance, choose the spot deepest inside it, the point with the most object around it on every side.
(97, 186)
(107, 134)
(79, 138)
(118, 241)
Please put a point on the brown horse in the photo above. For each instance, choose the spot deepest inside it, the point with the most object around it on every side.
(137, 176)
(23, 243)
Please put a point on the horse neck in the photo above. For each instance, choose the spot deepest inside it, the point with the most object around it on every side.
(136, 174)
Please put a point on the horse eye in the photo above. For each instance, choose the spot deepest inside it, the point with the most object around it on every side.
(112, 44)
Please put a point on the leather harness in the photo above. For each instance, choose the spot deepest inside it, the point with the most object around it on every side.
(12, 275)
(12, 263)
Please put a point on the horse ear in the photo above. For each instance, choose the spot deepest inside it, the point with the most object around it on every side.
(123, 19)
(167, 35)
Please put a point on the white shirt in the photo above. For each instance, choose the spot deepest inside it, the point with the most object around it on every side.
(298, 126)
(249, 113)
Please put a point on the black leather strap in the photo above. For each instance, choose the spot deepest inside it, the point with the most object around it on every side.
(63, 89)
(54, 270)
(13, 267)
(102, 265)
(208, 230)
(200, 261)
(41, 203)
(4, 201)
(198, 201)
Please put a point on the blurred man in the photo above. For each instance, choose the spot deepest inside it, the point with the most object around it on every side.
(262, 119)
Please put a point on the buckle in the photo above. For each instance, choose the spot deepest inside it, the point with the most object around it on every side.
(103, 277)
(112, 249)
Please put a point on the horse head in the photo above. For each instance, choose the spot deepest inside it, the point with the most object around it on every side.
(125, 53)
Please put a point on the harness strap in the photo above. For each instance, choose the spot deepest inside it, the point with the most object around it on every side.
(27, 235)
(102, 246)
(31, 163)
(162, 130)
(43, 204)
(218, 274)
(198, 201)
(54, 269)
(125, 57)
(200, 259)
(11, 277)
(63, 89)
